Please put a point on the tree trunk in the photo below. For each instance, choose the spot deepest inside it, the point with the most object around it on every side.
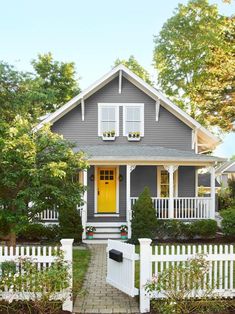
(12, 239)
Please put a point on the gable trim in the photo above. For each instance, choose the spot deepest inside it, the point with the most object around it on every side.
(142, 85)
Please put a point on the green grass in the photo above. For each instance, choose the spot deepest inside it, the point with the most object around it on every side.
(81, 259)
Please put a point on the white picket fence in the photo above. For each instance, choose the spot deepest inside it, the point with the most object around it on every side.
(220, 276)
(43, 257)
(154, 260)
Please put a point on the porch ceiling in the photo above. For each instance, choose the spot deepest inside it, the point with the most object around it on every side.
(143, 153)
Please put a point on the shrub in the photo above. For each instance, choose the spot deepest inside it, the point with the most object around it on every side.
(224, 199)
(144, 219)
(39, 232)
(175, 229)
(231, 185)
(70, 224)
(228, 222)
(203, 228)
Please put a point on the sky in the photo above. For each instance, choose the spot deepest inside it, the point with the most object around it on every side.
(91, 33)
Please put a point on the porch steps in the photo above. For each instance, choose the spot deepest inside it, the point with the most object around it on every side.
(105, 231)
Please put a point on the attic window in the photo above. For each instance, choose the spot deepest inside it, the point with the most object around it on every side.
(133, 119)
(108, 116)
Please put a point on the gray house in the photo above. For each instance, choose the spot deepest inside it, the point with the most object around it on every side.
(226, 172)
(135, 137)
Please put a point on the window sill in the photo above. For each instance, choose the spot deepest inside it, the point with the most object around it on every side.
(133, 139)
(108, 138)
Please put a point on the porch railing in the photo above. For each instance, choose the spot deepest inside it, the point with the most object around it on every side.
(184, 207)
(52, 215)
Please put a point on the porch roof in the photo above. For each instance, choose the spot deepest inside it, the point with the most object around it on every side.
(141, 153)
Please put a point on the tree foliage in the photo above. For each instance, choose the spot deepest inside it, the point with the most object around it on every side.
(36, 172)
(194, 57)
(34, 94)
(135, 67)
(58, 79)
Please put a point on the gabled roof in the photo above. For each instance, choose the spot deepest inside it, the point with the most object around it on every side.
(225, 167)
(205, 135)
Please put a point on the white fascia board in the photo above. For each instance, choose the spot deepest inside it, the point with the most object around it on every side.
(219, 171)
(151, 91)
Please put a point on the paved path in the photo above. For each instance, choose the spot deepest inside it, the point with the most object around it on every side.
(100, 297)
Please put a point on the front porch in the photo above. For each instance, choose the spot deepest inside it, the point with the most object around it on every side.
(173, 188)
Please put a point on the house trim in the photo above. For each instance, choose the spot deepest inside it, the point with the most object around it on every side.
(96, 194)
(225, 169)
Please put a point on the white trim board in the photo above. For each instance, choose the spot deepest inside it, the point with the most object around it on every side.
(210, 139)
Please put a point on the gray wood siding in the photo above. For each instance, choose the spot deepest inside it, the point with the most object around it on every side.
(169, 131)
(186, 181)
(141, 177)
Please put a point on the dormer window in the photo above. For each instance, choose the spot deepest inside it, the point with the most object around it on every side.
(133, 120)
(108, 120)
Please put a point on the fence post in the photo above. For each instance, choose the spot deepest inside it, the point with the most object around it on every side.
(145, 272)
(67, 248)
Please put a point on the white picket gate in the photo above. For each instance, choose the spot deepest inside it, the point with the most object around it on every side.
(121, 275)
(42, 257)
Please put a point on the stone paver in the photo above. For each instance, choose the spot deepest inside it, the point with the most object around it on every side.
(98, 296)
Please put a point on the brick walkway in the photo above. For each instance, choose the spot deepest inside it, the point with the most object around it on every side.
(100, 297)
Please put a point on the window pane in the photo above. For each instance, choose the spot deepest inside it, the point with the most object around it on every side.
(133, 113)
(108, 114)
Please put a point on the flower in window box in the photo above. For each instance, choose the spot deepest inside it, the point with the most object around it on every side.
(137, 134)
(112, 133)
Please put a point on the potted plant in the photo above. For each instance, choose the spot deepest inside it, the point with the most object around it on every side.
(108, 135)
(90, 232)
(134, 136)
(123, 229)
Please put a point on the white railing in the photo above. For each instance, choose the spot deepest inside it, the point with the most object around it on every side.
(220, 275)
(184, 207)
(52, 215)
(42, 257)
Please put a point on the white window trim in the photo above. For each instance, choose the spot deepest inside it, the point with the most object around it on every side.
(141, 105)
(176, 182)
(102, 105)
(96, 189)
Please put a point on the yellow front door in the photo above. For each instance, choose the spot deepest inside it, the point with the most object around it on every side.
(106, 188)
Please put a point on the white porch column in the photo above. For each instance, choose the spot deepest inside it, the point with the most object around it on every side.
(84, 209)
(212, 210)
(171, 169)
(128, 199)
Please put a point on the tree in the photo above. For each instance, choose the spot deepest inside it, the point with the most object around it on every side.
(58, 79)
(134, 66)
(195, 62)
(36, 173)
(35, 94)
(144, 221)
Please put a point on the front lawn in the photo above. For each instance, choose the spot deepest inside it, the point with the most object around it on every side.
(81, 259)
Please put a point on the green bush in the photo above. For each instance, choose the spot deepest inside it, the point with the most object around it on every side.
(70, 224)
(144, 221)
(228, 222)
(203, 228)
(175, 229)
(224, 199)
(39, 232)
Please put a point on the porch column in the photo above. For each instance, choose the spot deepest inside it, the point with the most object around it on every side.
(128, 199)
(212, 210)
(84, 209)
(171, 169)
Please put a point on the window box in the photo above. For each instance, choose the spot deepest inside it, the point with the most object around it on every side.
(133, 137)
(108, 136)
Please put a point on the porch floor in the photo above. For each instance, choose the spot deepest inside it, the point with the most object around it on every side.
(100, 297)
